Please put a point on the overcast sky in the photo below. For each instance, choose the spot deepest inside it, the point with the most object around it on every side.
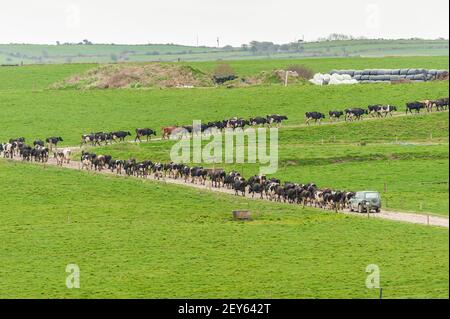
(233, 21)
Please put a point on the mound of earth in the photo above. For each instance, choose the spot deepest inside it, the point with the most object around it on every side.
(158, 75)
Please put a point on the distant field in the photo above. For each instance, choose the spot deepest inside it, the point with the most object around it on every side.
(104, 53)
(131, 242)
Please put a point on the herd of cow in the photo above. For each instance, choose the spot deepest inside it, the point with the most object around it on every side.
(38, 152)
(118, 136)
(269, 188)
(261, 186)
(351, 114)
(96, 139)
(378, 110)
(232, 123)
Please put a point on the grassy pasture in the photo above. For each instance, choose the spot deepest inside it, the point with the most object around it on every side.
(70, 113)
(415, 173)
(130, 241)
(37, 77)
(251, 67)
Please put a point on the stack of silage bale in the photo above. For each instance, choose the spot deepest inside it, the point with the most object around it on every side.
(389, 75)
(334, 79)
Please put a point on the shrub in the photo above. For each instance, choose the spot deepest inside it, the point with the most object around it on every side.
(223, 70)
(303, 72)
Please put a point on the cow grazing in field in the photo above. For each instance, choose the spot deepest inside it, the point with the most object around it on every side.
(62, 156)
(17, 140)
(40, 154)
(120, 135)
(256, 188)
(168, 131)
(86, 162)
(416, 106)
(355, 114)
(87, 139)
(276, 119)
(38, 143)
(388, 110)
(117, 166)
(8, 150)
(316, 116)
(335, 115)
(141, 132)
(440, 104)
(374, 110)
(217, 177)
(239, 186)
(25, 151)
(198, 174)
(105, 137)
(258, 121)
(53, 142)
(381, 110)
(235, 123)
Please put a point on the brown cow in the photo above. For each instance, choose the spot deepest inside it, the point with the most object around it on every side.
(167, 131)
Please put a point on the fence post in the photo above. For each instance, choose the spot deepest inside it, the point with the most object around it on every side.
(381, 293)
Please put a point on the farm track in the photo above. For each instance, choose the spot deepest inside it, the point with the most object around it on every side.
(338, 122)
(388, 215)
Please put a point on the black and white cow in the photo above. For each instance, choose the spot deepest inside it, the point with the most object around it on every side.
(276, 119)
(354, 113)
(316, 116)
(416, 106)
(120, 135)
(335, 115)
(147, 132)
(38, 143)
(388, 110)
(53, 142)
(258, 121)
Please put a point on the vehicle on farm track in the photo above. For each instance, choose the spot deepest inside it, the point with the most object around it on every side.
(365, 202)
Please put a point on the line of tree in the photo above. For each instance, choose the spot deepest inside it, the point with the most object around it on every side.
(265, 47)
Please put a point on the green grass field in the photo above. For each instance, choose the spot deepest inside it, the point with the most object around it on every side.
(71, 113)
(130, 241)
(143, 239)
(409, 169)
(38, 77)
(104, 53)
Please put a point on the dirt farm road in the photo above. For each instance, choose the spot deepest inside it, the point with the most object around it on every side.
(422, 219)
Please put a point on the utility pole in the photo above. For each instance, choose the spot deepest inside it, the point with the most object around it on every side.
(218, 42)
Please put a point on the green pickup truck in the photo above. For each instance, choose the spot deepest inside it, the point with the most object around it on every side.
(364, 202)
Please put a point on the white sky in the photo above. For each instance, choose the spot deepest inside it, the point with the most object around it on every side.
(234, 21)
